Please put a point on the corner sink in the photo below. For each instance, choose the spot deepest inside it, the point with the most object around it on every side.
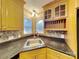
(33, 43)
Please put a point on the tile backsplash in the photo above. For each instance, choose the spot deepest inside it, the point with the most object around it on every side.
(57, 34)
(8, 35)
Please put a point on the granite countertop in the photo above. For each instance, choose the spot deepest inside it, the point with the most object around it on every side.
(56, 44)
(50, 42)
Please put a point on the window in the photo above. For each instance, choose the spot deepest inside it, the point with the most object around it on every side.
(40, 26)
(27, 26)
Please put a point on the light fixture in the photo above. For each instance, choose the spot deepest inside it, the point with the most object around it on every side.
(34, 13)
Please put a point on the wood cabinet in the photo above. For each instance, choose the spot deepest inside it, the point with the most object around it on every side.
(57, 11)
(58, 20)
(34, 54)
(65, 56)
(44, 53)
(41, 56)
(60, 10)
(47, 14)
(51, 57)
(52, 54)
(55, 24)
(12, 14)
(0, 15)
(27, 55)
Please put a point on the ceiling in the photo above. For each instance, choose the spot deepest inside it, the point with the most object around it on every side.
(35, 4)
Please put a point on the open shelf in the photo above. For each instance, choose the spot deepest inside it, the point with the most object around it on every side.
(57, 24)
(57, 18)
(47, 29)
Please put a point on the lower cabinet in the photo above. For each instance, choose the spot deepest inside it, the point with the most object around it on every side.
(65, 56)
(52, 54)
(41, 56)
(26, 56)
(51, 57)
(34, 54)
(44, 53)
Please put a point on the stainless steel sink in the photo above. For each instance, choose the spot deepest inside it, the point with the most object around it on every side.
(33, 43)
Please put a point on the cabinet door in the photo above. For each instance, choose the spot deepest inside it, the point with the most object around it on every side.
(23, 56)
(51, 57)
(9, 19)
(41, 51)
(51, 54)
(8, 14)
(27, 55)
(57, 55)
(57, 11)
(19, 13)
(0, 15)
(41, 56)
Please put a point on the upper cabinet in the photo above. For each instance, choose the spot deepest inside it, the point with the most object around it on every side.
(47, 14)
(57, 19)
(12, 14)
(57, 10)
(60, 11)
(0, 15)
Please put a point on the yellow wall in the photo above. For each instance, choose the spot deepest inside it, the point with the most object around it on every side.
(71, 21)
(71, 25)
(0, 16)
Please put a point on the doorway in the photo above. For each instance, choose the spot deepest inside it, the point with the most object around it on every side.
(77, 32)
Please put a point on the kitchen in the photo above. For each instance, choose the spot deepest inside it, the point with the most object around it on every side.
(39, 29)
